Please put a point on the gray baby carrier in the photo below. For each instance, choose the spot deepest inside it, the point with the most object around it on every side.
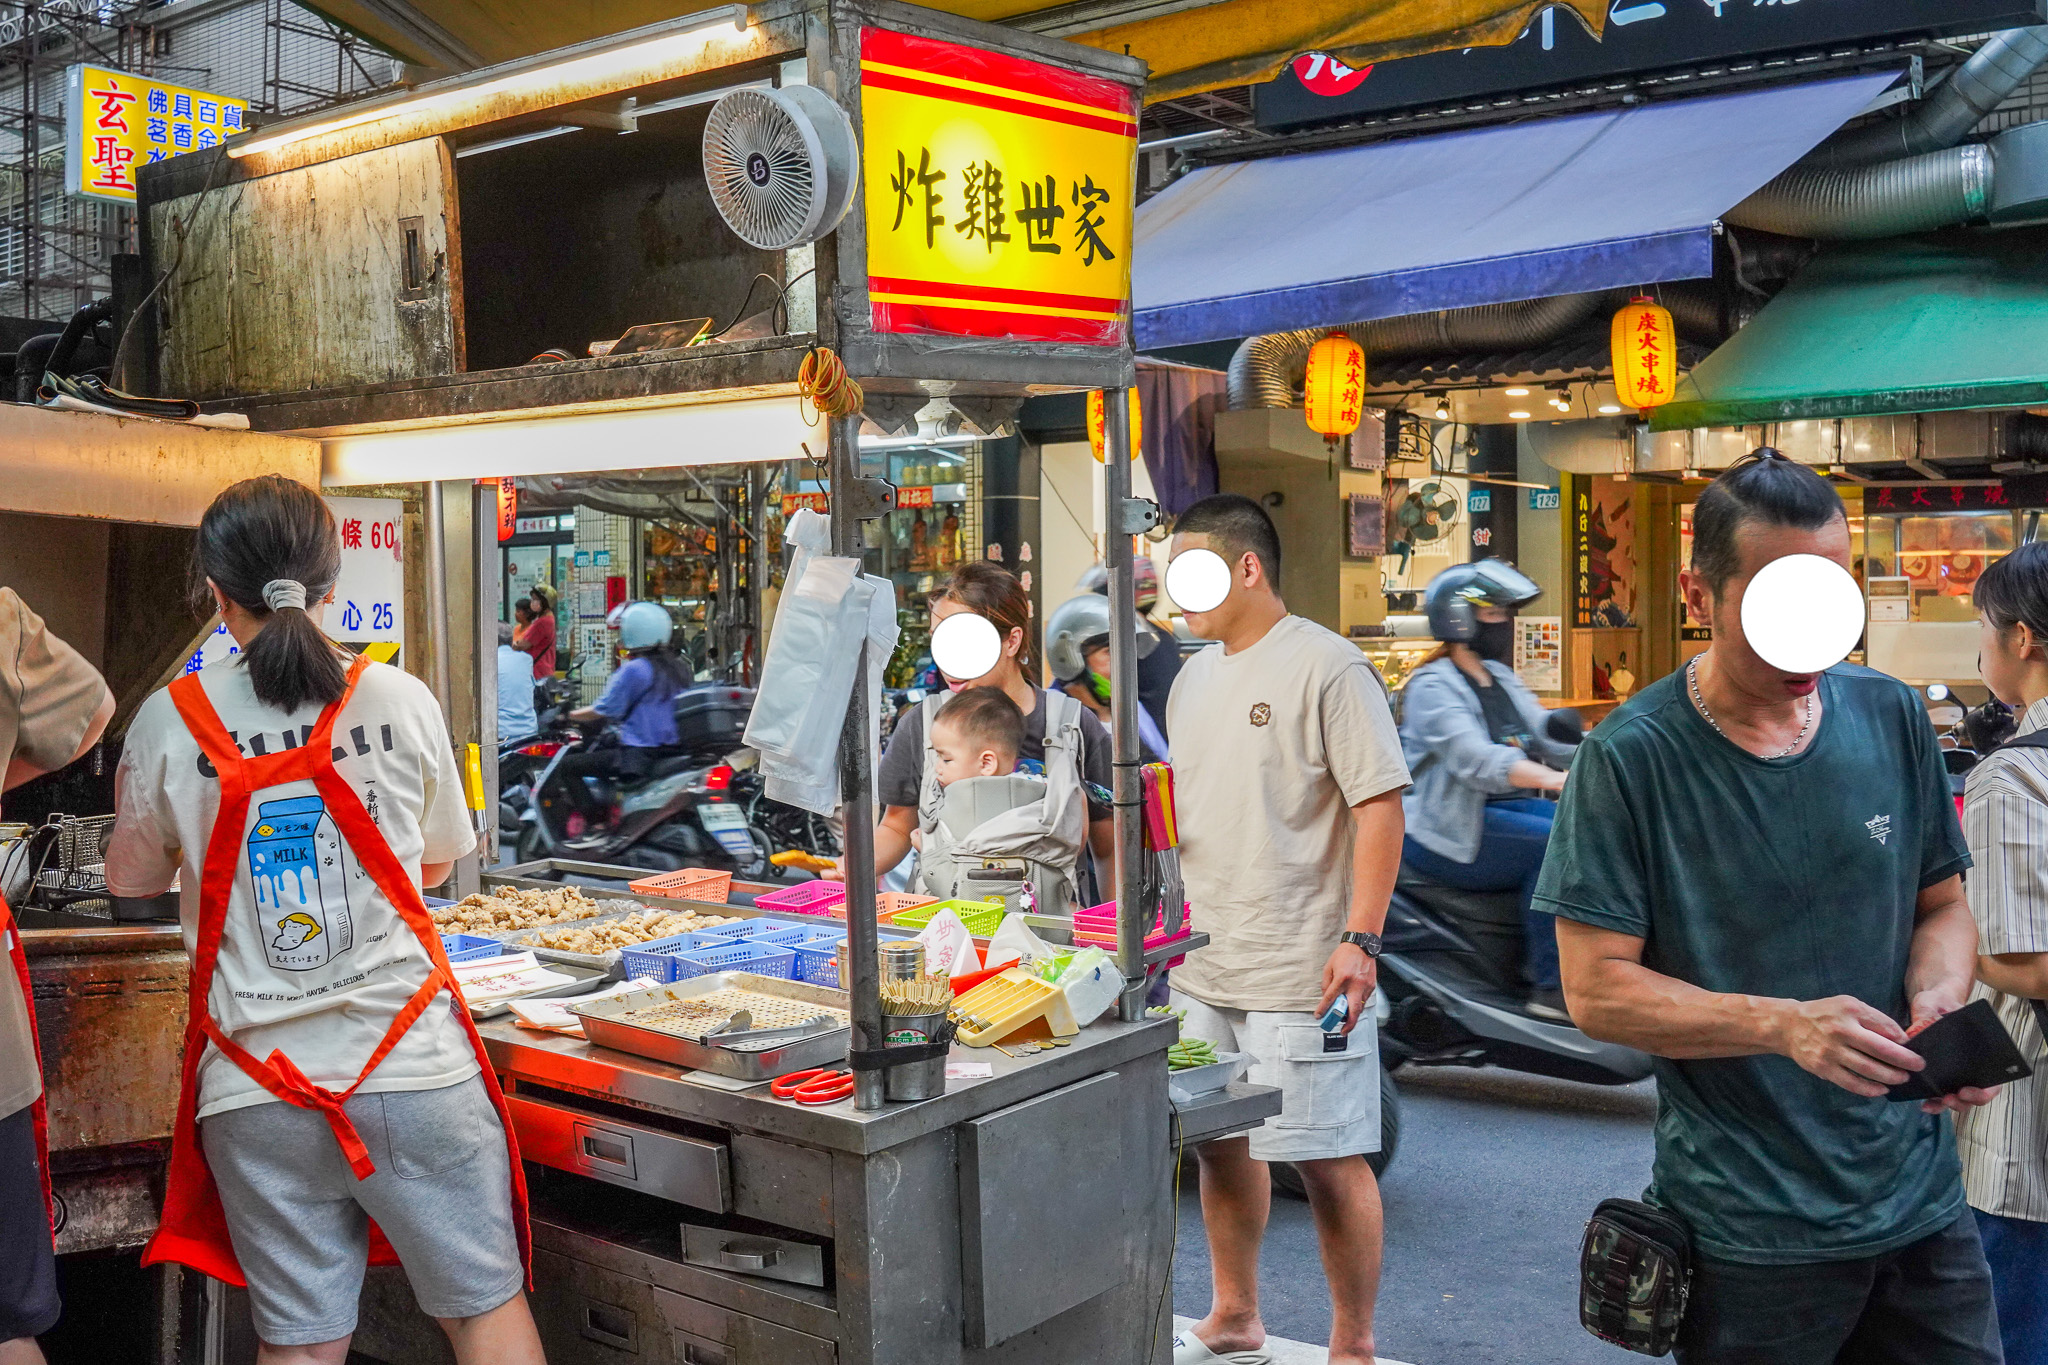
(985, 837)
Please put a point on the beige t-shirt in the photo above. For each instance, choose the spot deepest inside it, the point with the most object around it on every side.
(48, 696)
(313, 958)
(1276, 744)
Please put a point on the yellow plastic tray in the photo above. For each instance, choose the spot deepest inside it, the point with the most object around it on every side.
(1004, 1003)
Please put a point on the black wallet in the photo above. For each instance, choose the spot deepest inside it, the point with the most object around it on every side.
(1970, 1047)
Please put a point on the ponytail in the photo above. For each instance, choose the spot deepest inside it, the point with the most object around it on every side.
(270, 545)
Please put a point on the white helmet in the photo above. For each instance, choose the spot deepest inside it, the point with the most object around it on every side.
(644, 625)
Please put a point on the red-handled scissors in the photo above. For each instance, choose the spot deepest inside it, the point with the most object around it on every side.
(813, 1087)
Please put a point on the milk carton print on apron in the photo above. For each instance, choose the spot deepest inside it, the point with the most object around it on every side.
(300, 869)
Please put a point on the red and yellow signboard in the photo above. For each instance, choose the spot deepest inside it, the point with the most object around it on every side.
(116, 121)
(999, 193)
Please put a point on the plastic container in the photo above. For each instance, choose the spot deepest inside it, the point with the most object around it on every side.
(982, 918)
(470, 948)
(770, 931)
(655, 959)
(806, 898)
(761, 959)
(817, 960)
(689, 883)
(888, 903)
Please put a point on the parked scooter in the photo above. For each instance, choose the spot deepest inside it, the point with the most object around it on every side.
(681, 814)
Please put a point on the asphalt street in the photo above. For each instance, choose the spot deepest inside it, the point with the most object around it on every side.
(1485, 1203)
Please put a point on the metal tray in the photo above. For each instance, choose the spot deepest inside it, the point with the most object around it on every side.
(609, 958)
(602, 1025)
(587, 978)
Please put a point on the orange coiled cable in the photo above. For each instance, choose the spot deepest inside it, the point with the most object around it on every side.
(823, 381)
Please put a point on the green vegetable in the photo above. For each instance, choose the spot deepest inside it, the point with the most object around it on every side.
(1189, 1053)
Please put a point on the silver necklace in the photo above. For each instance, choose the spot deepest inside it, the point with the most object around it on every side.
(1692, 680)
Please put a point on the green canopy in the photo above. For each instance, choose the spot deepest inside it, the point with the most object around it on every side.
(1920, 324)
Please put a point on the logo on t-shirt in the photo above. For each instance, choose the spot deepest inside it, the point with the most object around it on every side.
(1880, 827)
(1261, 713)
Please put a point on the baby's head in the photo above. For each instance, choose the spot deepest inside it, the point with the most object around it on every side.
(976, 734)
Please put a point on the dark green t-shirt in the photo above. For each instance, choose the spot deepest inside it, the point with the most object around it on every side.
(1795, 878)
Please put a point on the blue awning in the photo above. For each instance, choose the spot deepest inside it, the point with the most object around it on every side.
(1553, 206)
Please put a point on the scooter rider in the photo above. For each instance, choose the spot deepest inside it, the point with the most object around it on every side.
(1077, 651)
(641, 698)
(1474, 737)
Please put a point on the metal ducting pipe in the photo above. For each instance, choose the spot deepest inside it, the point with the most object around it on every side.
(1956, 106)
(1914, 194)
(1266, 370)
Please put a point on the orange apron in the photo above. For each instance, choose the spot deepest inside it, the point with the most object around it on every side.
(39, 1112)
(194, 1230)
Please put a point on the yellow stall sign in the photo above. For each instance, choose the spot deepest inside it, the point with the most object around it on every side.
(116, 121)
(999, 193)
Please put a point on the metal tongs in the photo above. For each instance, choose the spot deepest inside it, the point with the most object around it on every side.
(737, 1034)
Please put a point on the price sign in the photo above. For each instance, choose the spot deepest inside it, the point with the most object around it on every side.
(367, 614)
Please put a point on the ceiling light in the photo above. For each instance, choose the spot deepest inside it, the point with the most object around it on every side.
(1443, 407)
(1516, 392)
(1609, 409)
(634, 61)
(1518, 415)
(1561, 398)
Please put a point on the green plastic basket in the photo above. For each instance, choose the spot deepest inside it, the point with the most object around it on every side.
(982, 918)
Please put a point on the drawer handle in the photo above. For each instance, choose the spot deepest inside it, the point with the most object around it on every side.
(607, 1150)
(611, 1326)
(697, 1351)
(741, 1256)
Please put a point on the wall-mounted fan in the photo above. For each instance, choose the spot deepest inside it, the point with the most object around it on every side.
(1428, 512)
(781, 164)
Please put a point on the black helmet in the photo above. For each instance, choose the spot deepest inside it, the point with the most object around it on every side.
(1455, 594)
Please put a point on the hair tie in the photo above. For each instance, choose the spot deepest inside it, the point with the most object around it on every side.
(280, 593)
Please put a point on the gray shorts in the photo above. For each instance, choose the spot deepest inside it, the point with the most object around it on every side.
(300, 1219)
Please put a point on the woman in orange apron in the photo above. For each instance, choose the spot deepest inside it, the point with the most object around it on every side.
(337, 1107)
(53, 707)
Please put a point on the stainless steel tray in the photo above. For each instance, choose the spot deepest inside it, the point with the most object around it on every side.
(602, 1025)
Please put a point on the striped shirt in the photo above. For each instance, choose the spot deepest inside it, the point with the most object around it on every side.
(2004, 1145)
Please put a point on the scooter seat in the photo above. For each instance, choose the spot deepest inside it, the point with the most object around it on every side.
(667, 767)
(1499, 909)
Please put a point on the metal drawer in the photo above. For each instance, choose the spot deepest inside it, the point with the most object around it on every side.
(588, 1315)
(704, 1333)
(686, 1170)
(751, 1253)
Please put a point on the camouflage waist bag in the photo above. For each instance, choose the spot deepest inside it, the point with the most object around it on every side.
(1635, 1269)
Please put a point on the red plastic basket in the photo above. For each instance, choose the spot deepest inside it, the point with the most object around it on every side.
(689, 883)
(806, 898)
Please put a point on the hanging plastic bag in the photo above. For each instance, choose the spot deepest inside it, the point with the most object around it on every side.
(1092, 984)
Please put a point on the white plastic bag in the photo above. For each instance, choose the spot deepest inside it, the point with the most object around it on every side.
(1013, 942)
(1092, 984)
(828, 608)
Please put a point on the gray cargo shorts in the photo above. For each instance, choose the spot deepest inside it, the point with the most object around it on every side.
(300, 1220)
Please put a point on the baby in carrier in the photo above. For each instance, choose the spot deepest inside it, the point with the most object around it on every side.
(990, 837)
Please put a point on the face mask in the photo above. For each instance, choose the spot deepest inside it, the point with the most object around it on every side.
(1099, 685)
(1495, 641)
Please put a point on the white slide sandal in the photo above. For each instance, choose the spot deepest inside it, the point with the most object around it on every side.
(1189, 1349)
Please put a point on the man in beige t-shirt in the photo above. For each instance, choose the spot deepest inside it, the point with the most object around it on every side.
(1288, 777)
(53, 706)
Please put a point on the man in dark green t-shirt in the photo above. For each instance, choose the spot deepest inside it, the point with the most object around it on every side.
(1757, 879)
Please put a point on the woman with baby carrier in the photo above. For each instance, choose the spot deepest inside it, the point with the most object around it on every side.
(1043, 833)
(336, 1109)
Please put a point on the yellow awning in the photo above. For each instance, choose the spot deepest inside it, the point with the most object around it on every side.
(1233, 42)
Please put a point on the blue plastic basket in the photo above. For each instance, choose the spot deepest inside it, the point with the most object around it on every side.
(470, 948)
(762, 959)
(656, 957)
(770, 931)
(817, 961)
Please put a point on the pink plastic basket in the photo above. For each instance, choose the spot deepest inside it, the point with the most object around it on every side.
(806, 898)
(1096, 926)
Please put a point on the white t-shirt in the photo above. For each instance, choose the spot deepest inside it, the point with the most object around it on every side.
(1294, 731)
(313, 959)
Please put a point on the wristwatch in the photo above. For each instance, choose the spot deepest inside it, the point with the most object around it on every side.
(1369, 942)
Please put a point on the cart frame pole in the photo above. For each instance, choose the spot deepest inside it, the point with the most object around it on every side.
(857, 785)
(1132, 917)
(437, 599)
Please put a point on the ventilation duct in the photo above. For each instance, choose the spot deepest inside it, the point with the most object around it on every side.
(1947, 115)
